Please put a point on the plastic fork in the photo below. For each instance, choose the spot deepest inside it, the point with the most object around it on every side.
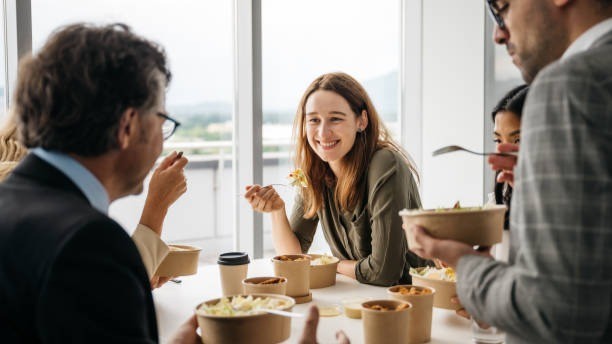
(454, 148)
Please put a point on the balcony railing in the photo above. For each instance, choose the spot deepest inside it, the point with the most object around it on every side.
(204, 214)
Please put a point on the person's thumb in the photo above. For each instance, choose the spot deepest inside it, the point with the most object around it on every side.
(342, 338)
(309, 334)
(168, 160)
(180, 163)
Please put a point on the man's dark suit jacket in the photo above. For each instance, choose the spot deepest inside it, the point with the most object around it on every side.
(68, 273)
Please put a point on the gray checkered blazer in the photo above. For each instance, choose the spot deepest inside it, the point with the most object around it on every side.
(558, 287)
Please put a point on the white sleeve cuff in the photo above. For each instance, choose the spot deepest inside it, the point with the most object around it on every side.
(152, 248)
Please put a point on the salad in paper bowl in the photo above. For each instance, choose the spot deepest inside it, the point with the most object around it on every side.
(323, 270)
(241, 319)
(443, 280)
(481, 226)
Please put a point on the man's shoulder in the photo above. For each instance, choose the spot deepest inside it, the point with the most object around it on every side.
(590, 66)
(580, 83)
(33, 202)
(40, 220)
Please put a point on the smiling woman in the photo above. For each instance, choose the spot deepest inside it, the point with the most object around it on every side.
(358, 178)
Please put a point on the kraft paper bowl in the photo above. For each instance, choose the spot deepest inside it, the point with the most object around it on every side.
(252, 286)
(296, 272)
(352, 306)
(385, 326)
(322, 276)
(422, 311)
(445, 290)
(481, 226)
(261, 328)
(182, 260)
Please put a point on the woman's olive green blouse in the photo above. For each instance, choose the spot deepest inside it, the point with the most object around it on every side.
(372, 233)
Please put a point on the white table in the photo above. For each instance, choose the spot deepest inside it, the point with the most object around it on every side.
(174, 303)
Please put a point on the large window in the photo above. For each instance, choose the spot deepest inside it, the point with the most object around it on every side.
(304, 39)
(3, 74)
(197, 36)
(502, 76)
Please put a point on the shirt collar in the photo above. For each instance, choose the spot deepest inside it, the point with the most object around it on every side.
(79, 175)
(586, 40)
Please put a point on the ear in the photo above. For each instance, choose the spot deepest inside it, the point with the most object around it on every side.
(363, 120)
(128, 124)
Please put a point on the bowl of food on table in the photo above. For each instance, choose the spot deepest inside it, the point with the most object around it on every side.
(244, 319)
(442, 280)
(182, 260)
(385, 321)
(323, 269)
(265, 285)
(296, 269)
(352, 306)
(482, 226)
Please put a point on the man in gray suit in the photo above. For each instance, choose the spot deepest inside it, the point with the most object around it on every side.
(558, 285)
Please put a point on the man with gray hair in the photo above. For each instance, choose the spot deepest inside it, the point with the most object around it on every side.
(558, 284)
(90, 107)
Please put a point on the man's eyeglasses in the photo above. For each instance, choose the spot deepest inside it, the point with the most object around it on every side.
(169, 126)
(496, 9)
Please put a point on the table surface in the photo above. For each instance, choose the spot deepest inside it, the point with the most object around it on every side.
(175, 303)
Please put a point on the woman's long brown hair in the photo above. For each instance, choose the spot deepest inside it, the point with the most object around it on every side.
(351, 187)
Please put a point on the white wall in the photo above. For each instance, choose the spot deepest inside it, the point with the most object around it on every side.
(453, 100)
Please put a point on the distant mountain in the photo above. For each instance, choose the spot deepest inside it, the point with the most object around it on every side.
(383, 90)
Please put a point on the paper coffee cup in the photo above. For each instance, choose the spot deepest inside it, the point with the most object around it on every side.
(233, 267)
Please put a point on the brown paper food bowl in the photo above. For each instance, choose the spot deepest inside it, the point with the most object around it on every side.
(445, 290)
(252, 286)
(322, 276)
(385, 326)
(254, 329)
(352, 306)
(422, 311)
(482, 226)
(182, 260)
(296, 272)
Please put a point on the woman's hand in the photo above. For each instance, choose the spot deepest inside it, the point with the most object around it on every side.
(264, 199)
(505, 164)
(167, 184)
(157, 281)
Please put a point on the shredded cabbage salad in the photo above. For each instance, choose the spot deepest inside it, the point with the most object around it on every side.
(323, 260)
(443, 274)
(240, 305)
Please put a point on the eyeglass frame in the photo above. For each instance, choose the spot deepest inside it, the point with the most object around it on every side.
(496, 13)
(174, 122)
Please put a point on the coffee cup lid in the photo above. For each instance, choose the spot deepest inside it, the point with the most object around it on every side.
(233, 258)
